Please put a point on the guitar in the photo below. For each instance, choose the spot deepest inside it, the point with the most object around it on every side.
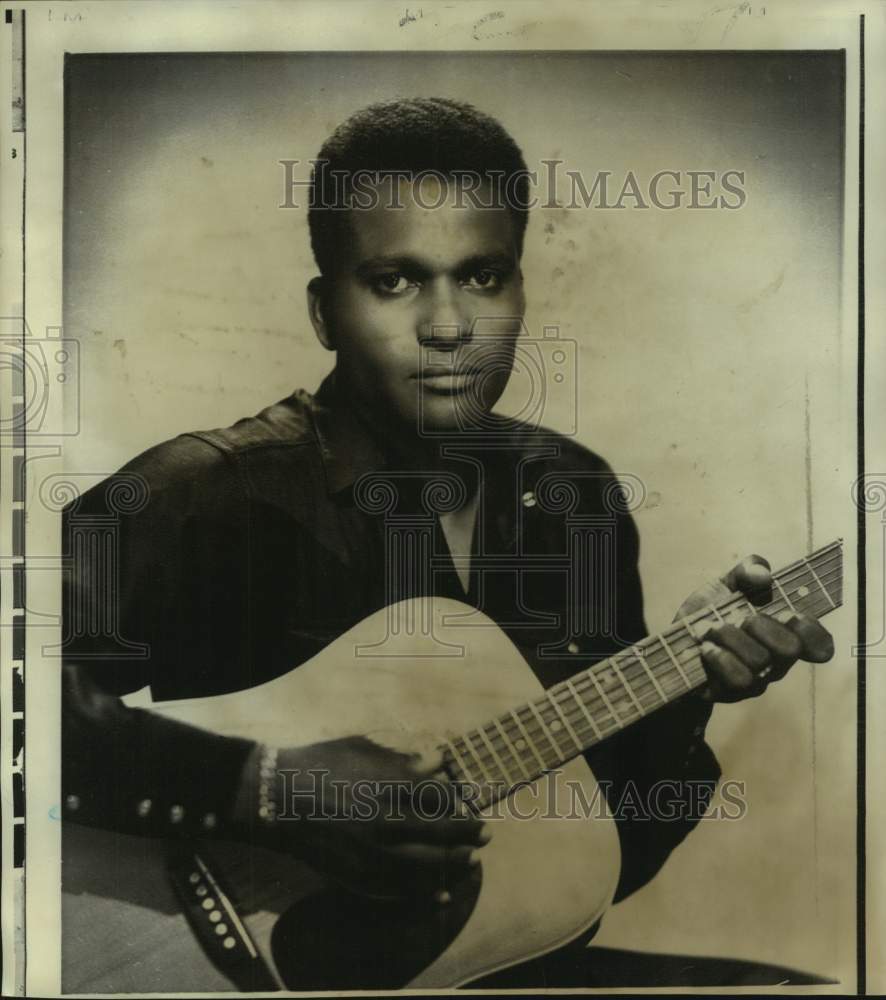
(139, 916)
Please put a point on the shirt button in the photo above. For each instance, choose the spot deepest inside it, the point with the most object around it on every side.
(209, 821)
(72, 802)
(144, 807)
(176, 814)
(529, 499)
(572, 647)
(229, 942)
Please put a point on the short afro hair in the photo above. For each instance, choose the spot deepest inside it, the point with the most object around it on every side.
(414, 135)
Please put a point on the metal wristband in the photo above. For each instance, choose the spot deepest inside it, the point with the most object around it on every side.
(267, 785)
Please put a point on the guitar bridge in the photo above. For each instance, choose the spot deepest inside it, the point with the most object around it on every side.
(212, 913)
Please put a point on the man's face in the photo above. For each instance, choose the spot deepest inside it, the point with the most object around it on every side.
(424, 308)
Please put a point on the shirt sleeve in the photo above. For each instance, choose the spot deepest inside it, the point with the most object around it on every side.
(123, 768)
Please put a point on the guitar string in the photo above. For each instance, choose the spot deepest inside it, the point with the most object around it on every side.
(611, 718)
(628, 660)
(589, 736)
(611, 722)
(502, 783)
(720, 611)
(640, 672)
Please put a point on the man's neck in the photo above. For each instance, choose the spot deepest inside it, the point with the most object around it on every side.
(407, 450)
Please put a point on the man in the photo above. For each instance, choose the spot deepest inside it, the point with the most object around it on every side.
(254, 547)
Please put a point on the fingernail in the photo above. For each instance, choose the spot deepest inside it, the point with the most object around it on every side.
(709, 647)
(426, 760)
(473, 859)
(485, 836)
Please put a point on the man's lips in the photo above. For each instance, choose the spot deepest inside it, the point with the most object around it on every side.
(447, 380)
(434, 371)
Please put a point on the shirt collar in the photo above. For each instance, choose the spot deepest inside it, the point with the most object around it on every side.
(347, 448)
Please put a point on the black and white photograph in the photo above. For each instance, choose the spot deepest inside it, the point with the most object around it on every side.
(444, 553)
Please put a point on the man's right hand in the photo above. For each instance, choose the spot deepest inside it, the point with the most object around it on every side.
(381, 821)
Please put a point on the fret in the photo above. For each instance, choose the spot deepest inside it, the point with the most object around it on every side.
(638, 653)
(784, 595)
(528, 740)
(624, 683)
(512, 750)
(596, 690)
(818, 581)
(615, 716)
(667, 648)
(545, 730)
(690, 628)
(456, 756)
(467, 742)
(592, 697)
(731, 613)
(495, 756)
(578, 743)
(591, 721)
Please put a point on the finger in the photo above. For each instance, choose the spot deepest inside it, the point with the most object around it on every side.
(447, 830)
(729, 678)
(753, 578)
(424, 763)
(713, 592)
(422, 868)
(752, 653)
(817, 643)
(434, 856)
(783, 644)
(433, 797)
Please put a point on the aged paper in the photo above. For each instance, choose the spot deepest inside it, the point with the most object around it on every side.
(695, 313)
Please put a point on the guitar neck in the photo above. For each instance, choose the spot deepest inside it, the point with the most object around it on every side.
(611, 695)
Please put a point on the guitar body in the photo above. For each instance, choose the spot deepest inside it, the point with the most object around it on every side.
(414, 673)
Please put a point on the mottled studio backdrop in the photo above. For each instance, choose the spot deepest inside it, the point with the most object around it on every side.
(708, 360)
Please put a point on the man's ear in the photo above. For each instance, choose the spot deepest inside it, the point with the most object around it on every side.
(317, 290)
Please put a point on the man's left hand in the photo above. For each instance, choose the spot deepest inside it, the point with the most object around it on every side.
(741, 661)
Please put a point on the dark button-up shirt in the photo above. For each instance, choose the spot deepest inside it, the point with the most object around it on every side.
(222, 559)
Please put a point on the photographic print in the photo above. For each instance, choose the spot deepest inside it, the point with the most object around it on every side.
(439, 500)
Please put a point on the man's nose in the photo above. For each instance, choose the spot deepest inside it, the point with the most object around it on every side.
(445, 320)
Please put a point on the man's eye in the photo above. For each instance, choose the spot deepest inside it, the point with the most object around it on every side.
(484, 278)
(392, 283)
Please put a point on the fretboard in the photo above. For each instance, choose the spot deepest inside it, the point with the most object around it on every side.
(604, 699)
